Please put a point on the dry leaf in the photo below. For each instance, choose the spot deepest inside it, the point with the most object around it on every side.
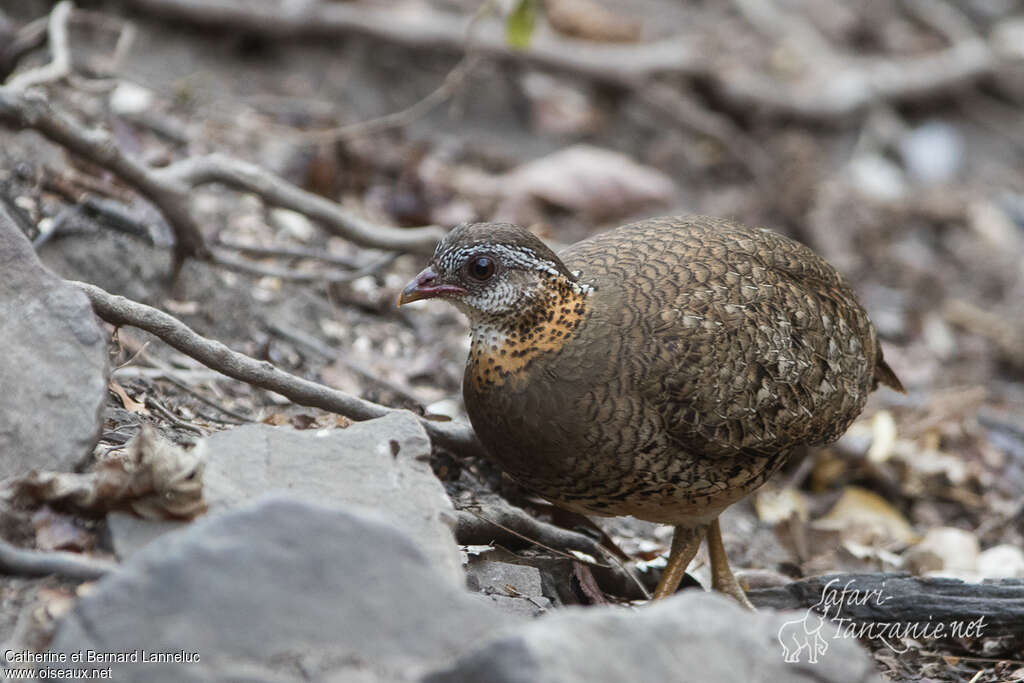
(866, 518)
(883, 436)
(130, 404)
(778, 505)
(57, 531)
(151, 476)
(583, 179)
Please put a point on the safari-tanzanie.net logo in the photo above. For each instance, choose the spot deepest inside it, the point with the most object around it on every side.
(807, 639)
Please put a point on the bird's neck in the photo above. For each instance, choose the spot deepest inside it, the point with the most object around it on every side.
(503, 346)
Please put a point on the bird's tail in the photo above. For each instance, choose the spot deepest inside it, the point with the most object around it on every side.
(885, 375)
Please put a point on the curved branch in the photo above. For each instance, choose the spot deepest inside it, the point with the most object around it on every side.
(29, 111)
(117, 310)
(242, 175)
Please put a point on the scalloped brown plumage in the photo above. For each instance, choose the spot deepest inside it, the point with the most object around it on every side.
(664, 369)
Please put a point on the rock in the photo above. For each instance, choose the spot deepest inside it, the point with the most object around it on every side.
(877, 178)
(511, 587)
(933, 153)
(381, 464)
(130, 98)
(127, 534)
(694, 636)
(293, 224)
(54, 363)
(1001, 562)
(944, 551)
(280, 590)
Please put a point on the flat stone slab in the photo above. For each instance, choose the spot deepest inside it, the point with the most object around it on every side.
(279, 590)
(381, 464)
(53, 370)
(693, 636)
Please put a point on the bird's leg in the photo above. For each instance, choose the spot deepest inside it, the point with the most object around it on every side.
(685, 542)
(722, 579)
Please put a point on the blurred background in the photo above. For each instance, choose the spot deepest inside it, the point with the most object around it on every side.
(888, 136)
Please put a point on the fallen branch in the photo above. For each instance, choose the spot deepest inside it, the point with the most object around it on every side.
(904, 600)
(59, 65)
(16, 561)
(242, 175)
(29, 37)
(422, 27)
(831, 89)
(173, 201)
(119, 311)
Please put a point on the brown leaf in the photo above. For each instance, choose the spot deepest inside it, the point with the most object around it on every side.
(151, 476)
(864, 517)
(592, 21)
(57, 531)
(581, 178)
(130, 404)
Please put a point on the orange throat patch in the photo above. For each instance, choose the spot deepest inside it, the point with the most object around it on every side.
(501, 352)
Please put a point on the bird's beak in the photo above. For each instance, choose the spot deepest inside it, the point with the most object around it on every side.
(426, 285)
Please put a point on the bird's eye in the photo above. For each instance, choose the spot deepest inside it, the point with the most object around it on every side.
(481, 268)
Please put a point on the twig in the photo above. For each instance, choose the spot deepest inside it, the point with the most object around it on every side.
(29, 37)
(117, 310)
(22, 562)
(287, 253)
(60, 53)
(239, 265)
(332, 355)
(241, 175)
(449, 86)
(169, 377)
(171, 417)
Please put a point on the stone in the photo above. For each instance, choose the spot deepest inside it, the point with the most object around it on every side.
(381, 464)
(933, 152)
(693, 636)
(54, 365)
(944, 551)
(280, 590)
(127, 533)
(1001, 562)
(512, 587)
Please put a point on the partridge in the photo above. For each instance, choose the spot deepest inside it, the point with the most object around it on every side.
(664, 369)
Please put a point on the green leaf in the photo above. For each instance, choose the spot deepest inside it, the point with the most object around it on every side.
(520, 24)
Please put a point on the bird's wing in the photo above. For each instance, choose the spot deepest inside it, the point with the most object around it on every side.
(757, 362)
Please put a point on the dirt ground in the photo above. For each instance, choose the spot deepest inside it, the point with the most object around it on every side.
(917, 196)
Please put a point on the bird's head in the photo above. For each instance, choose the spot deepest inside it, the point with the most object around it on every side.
(490, 271)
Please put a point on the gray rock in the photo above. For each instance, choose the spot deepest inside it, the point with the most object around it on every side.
(280, 590)
(512, 587)
(54, 363)
(127, 534)
(381, 464)
(694, 636)
(503, 577)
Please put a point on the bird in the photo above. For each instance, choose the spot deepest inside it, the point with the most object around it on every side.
(664, 369)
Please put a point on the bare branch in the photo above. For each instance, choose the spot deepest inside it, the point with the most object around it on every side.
(848, 84)
(241, 175)
(27, 111)
(421, 27)
(117, 310)
(60, 52)
(29, 37)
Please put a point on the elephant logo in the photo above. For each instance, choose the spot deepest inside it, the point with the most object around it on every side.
(798, 635)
